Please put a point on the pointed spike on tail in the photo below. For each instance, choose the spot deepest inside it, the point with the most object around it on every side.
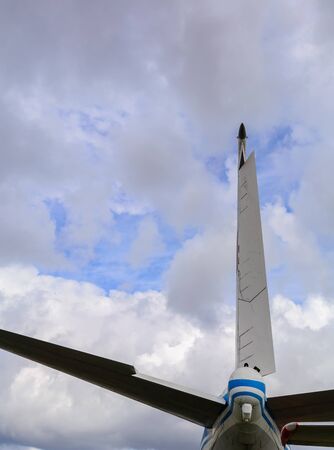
(242, 132)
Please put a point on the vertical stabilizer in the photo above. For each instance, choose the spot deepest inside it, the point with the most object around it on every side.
(254, 344)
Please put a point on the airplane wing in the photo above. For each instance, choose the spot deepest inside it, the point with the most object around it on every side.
(300, 434)
(308, 407)
(202, 409)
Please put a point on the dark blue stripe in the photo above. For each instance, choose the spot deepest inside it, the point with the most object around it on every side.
(230, 409)
(251, 394)
(205, 437)
(249, 383)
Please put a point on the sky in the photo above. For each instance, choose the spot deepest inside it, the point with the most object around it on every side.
(118, 125)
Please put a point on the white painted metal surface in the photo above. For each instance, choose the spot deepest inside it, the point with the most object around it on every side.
(230, 432)
(254, 344)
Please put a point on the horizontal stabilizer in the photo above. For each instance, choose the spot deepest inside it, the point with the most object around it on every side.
(300, 434)
(202, 409)
(308, 407)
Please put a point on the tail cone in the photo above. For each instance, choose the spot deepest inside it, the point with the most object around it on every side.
(242, 132)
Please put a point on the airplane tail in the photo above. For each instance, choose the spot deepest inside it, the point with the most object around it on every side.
(254, 344)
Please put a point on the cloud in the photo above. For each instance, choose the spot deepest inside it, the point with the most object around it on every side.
(30, 237)
(292, 253)
(16, 447)
(160, 99)
(303, 337)
(200, 275)
(156, 164)
(114, 110)
(50, 410)
(147, 244)
(36, 167)
(315, 313)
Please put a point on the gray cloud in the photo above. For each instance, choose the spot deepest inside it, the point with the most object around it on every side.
(200, 276)
(50, 410)
(118, 107)
(157, 165)
(147, 244)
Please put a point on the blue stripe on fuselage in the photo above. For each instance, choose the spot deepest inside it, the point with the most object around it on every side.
(251, 394)
(247, 383)
(206, 436)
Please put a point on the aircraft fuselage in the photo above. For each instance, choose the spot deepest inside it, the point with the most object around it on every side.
(246, 423)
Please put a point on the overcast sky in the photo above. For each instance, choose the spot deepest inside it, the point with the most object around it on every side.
(118, 202)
